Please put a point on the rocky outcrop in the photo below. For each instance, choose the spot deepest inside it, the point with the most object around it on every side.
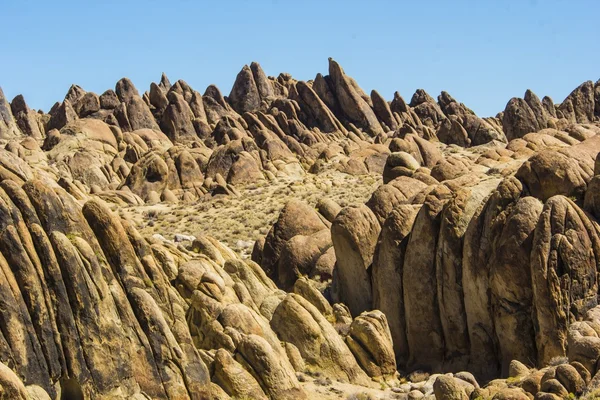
(250, 88)
(61, 115)
(8, 127)
(387, 274)
(475, 257)
(150, 328)
(298, 322)
(177, 119)
(580, 104)
(563, 232)
(174, 170)
(370, 341)
(354, 107)
(26, 119)
(295, 244)
(519, 119)
(354, 234)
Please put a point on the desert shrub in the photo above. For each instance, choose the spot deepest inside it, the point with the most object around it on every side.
(558, 361)
(361, 396)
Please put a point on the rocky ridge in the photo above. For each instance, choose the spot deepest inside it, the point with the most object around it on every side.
(470, 272)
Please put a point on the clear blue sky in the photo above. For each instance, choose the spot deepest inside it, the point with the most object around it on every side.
(483, 52)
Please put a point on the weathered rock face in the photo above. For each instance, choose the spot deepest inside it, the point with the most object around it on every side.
(424, 334)
(244, 94)
(370, 340)
(456, 217)
(354, 234)
(298, 322)
(561, 172)
(426, 108)
(563, 272)
(479, 252)
(84, 151)
(60, 116)
(8, 127)
(126, 90)
(177, 119)
(452, 132)
(579, 106)
(317, 112)
(65, 253)
(147, 326)
(461, 267)
(519, 119)
(26, 118)
(463, 127)
(295, 244)
(510, 283)
(173, 170)
(356, 109)
(479, 243)
(387, 273)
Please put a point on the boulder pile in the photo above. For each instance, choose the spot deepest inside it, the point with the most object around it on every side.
(471, 272)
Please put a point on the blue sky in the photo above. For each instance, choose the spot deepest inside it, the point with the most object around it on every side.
(482, 52)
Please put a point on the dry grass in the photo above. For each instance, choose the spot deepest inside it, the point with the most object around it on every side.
(238, 222)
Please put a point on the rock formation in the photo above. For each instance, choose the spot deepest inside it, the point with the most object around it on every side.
(475, 260)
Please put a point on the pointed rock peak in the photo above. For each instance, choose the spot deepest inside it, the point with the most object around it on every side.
(444, 99)
(164, 84)
(375, 96)
(184, 85)
(175, 97)
(244, 95)
(257, 70)
(213, 92)
(335, 68)
(530, 96)
(183, 89)
(383, 111)
(585, 87)
(126, 90)
(321, 82)
(548, 105)
(398, 104)
(547, 100)
(420, 97)
(398, 97)
(319, 77)
(54, 107)
(157, 97)
(109, 100)
(284, 77)
(262, 82)
(8, 127)
(176, 88)
(3, 99)
(154, 87)
(75, 93)
(18, 105)
(61, 115)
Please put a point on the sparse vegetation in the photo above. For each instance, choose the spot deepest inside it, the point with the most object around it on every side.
(593, 395)
(239, 222)
(72, 236)
(558, 361)
(148, 282)
(361, 396)
(513, 380)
